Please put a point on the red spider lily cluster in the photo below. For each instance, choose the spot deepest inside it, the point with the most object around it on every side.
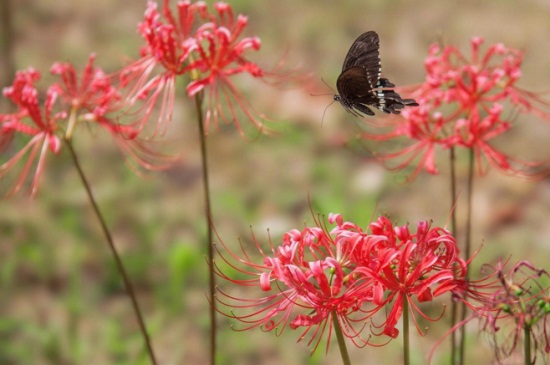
(461, 105)
(74, 99)
(204, 46)
(207, 47)
(349, 274)
(519, 306)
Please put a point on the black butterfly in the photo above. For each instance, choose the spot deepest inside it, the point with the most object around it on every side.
(360, 83)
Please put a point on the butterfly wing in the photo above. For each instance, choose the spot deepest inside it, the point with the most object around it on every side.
(359, 85)
(353, 87)
(364, 53)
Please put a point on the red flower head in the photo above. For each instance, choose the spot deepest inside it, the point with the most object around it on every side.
(92, 95)
(169, 43)
(461, 106)
(92, 98)
(348, 273)
(31, 120)
(406, 265)
(220, 56)
(307, 284)
(206, 46)
(88, 98)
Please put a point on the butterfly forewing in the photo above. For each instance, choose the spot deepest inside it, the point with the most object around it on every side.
(364, 53)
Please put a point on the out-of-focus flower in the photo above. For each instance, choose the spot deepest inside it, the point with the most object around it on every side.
(461, 105)
(92, 98)
(519, 307)
(206, 47)
(92, 95)
(220, 55)
(169, 42)
(87, 98)
(34, 120)
(348, 272)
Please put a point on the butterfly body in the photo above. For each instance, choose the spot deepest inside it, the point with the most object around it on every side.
(360, 85)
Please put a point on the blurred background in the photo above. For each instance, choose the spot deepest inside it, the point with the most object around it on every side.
(61, 300)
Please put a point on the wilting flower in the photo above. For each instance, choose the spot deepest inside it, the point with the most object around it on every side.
(206, 47)
(347, 273)
(519, 307)
(461, 105)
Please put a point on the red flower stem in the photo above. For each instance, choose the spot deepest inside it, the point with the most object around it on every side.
(341, 339)
(120, 266)
(406, 352)
(467, 248)
(208, 219)
(454, 305)
(527, 344)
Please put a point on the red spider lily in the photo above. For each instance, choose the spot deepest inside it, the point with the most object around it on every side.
(519, 307)
(349, 273)
(220, 55)
(312, 285)
(92, 94)
(169, 43)
(461, 106)
(92, 98)
(208, 47)
(420, 265)
(40, 125)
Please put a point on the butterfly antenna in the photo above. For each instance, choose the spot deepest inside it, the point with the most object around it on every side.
(324, 111)
(333, 93)
(331, 89)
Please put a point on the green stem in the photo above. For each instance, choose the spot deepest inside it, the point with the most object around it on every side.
(452, 161)
(341, 339)
(527, 344)
(454, 305)
(467, 247)
(406, 349)
(208, 219)
(75, 304)
(118, 261)
(471, 173)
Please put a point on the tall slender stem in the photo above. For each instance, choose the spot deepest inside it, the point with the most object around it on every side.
(527, 344)
(208, 220)
(120, 266)
(454, 305)
(471, 173)
(341, 340)
(7, 58)
(452, 161)
(406, 347)
(467, 246)
(6, 39)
